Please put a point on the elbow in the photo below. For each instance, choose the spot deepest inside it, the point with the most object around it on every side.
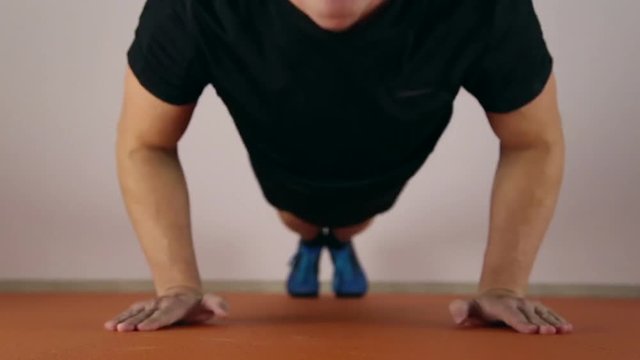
(551, 144)
(130, 150)
(129, 146)
(547, 153)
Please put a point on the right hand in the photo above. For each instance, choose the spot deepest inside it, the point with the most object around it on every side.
(179, 307)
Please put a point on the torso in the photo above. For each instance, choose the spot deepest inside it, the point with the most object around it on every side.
(336, 108)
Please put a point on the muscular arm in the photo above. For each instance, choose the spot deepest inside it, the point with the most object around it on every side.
(154, 187)
(525, 190)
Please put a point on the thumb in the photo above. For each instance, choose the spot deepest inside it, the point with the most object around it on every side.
(215, 304)
(464, 312)
(459, 310)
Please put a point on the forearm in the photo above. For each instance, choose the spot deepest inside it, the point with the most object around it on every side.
(524, 197)
(156, 197)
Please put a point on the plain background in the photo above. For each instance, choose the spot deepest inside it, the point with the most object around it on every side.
(61, 214)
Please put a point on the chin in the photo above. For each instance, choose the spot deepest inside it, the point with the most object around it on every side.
(333, 24)
(336, 14)
(339, 7)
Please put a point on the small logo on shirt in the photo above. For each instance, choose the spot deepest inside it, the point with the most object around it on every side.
(413, 92)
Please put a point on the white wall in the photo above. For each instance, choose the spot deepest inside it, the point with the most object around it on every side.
(61, 214)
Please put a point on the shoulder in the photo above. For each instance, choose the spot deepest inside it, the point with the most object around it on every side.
(487, 17)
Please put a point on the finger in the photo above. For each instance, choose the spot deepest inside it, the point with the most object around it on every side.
(111, 324)
(547, 316)
(459, 310)
(473, 321)
(201, 317)
(543, 327)
(131, 323)
(512, 316)
(216, 304)
(165, 316)
(464, 313)
(565, 326)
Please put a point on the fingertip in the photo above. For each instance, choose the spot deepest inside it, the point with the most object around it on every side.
(147, 327)
(566, 329)
(220, 311)
(547, 330)
(124, 327)
(471, 322)
(459, 310)
(527, 329)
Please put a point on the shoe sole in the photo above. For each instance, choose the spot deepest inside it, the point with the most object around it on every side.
(304, 296)
(349, 296)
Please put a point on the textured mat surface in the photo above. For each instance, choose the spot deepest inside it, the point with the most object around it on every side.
(381, 326)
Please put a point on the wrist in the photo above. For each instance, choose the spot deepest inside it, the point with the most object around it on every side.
(504, 291)
(507, 279)
(181, 289)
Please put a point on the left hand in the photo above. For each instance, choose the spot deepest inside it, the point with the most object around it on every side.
(496, 307)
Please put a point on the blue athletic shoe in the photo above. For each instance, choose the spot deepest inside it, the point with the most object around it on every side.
(349, 279)
(303, 279)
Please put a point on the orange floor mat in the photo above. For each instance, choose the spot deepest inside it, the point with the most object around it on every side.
(380, 326)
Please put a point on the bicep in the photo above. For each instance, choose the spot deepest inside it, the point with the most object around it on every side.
(534, 124)
(148, 121)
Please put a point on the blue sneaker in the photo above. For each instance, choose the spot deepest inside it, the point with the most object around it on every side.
(349, 279)
(303, 278)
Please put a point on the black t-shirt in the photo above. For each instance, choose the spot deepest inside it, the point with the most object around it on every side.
(365, 105)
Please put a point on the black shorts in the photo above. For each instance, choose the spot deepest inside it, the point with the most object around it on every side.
(332, 203)
(330, 206)
(327, 204)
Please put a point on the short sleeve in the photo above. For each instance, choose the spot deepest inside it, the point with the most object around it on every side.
(165, 56)
(515, 64)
